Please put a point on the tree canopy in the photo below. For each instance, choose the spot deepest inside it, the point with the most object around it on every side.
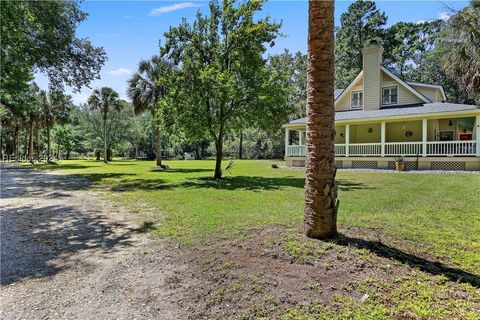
(40, 36)
(224, 81)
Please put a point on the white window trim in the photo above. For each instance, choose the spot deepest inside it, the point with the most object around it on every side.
(351, 99)
(398, 95)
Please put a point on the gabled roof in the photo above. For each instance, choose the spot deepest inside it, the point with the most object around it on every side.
(429, 85)
(405, 84)
(337, 93)
(428, 108)
(351, 85)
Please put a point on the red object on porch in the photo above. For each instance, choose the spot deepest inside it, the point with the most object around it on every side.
(465, 136)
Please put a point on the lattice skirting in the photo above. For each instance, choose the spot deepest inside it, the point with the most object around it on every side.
(339, 164)
(409, 165)
(365, 164)
(448, 165)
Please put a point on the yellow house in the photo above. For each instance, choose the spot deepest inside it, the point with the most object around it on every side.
(380, 117)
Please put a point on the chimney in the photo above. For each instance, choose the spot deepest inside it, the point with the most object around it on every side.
(372, 59)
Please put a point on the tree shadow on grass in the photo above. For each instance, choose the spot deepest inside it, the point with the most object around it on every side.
(250, 183)
(425, 265)
(141, 184)
(181, 170)
(254, 183)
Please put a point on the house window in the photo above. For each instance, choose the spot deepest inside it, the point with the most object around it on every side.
(357, 100)
(390, 95)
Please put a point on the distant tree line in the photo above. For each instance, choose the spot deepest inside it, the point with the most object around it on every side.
(211, 91)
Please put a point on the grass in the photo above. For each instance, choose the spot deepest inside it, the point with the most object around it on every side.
(408, 249)
(434, 214)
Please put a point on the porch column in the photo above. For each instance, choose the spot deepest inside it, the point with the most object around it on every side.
(424, 137)
(300, 138)
(382, 132)
(287, 136)
(347, 140)
(477, 134)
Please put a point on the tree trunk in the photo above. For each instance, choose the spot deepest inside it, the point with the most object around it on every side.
(105, 156)
(240, 148)
(198, 152)
(48, 143)
(136, 151)
(16, 143)
(38, 144)
(30, 142)
(68, 154)
(219, 155)
(320, 218)
(158, 153)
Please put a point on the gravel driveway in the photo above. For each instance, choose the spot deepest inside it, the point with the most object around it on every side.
(68, 254)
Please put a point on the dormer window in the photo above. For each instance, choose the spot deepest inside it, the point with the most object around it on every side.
(390, 95)
(357, 100)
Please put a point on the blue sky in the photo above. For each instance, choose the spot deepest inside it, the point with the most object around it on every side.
(131, 30)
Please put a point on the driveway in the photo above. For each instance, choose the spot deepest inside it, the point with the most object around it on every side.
(68, 253)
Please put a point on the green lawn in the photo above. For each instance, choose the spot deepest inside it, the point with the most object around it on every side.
(434, 214)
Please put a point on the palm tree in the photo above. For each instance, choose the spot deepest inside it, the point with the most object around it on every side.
(459, 50)
(53, 106)
(320, 190)
(103, 99)
(146, 88)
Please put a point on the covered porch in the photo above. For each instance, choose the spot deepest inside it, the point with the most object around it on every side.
(453, 136)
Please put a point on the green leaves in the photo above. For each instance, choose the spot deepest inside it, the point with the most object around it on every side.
(224, 83)
(360, 25)
(41, 35)
(224, 80)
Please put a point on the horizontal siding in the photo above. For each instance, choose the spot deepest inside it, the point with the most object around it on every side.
(371, 79)
(404, 95)
(433, 94)
(344, 102)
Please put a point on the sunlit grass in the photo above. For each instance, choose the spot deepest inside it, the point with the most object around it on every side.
(438, 214)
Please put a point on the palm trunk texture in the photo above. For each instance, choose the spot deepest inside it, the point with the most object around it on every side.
(320, 217)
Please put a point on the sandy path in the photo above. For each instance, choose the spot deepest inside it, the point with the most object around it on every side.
(67, 254)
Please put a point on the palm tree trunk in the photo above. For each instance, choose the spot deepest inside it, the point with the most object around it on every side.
(105, 158)
(49, 144)
(158, 137)
(320, 217)
(30, 142)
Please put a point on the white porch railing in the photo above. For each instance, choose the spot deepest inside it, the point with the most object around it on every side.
(365, 149)
(340, 149)
(403, 148)
(434, 148)
(451, 148)
(296, 151)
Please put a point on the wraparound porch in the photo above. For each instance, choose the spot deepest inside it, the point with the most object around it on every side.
(435, 142)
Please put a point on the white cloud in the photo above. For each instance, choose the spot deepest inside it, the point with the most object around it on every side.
(421, 21)
(444, 16)
(120, 72)
(173, 7)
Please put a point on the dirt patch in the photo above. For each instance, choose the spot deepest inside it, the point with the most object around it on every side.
(67, 253)
(277, 273)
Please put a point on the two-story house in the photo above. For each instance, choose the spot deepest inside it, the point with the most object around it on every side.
(379, 117)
